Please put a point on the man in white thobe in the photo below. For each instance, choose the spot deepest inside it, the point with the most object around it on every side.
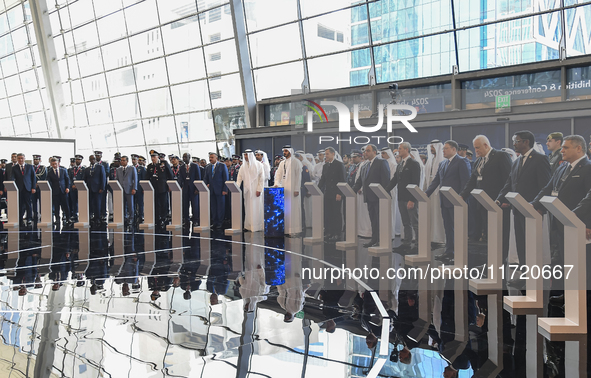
(262, 158)
(289, 177)
(434, 158)
(252, 176)
(317, 173)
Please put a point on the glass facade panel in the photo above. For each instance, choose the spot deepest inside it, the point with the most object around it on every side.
(332, 71)
(185, 66)
(287, 37)
(578, 28)
(317, 32)
(191, 97)
(257, 12)
(508, 43)
(290, 75)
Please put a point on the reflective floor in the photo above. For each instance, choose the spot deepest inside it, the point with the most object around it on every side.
(80, 303)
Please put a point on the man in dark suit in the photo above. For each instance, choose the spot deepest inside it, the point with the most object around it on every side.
(454, 172)
(24, 177)
(376, 171)
(8, 167)
(529, 174)
(216, 175)
(60, 187)
(333, 172)
(76, 173)
(95, 180)
(159, 172)
(139, 195)
(99, 158)
(127, 177)
(408, 172)
(490, 173)
(188, 174)
(570, 183)
(554, 144)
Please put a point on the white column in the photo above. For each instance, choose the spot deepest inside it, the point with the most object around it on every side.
(176, 206)
(149, 213)
(12, 210)
(424, 236)
(494, 282)
(204, 212)
(385, 221)
(83, 204)
(236, 199)
(46, 204)
(117, 205)
(575, 277)
(532, 301)
(317, 214)
(351, 214)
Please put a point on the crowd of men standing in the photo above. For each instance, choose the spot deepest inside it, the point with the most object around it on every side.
(98, 176)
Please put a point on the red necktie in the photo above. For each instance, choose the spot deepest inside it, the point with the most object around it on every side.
(23, 169)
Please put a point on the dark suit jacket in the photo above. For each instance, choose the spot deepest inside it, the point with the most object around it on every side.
(58, 185)
(193, 174)
(27, 180)
(332, 174)
(8, 172)
(535, 174)
(379, 173)
(217, 179)
(95, 178)
(410, 174)
(494, 174)
(456, 176)
(574, 188)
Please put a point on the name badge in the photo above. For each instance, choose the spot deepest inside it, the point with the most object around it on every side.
(155, 175)
(554, 193)
(479, 178)
(188, 178)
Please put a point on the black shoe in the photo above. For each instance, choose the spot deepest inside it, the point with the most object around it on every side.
(516, 283)
(370, 244)
(557, 301)
(447, 256)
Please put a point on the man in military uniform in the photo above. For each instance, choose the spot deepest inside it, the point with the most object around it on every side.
(234, 168)
(141, 161)
(139, 195)
(75, 173)
(159, 172)
(99, 159)
(41, 173)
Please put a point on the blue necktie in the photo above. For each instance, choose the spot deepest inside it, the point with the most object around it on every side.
(213, 169)
(445, 167)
